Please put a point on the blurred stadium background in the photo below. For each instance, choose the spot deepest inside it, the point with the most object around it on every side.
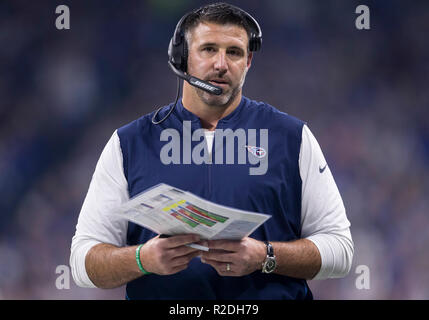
(363, 93)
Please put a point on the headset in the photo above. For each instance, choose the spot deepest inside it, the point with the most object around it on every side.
(178, 56)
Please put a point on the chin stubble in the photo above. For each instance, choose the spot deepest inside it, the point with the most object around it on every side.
(227, 98)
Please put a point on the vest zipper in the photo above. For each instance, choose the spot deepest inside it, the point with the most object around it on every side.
(209, 172)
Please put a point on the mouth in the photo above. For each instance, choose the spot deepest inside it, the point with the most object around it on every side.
(219, 82)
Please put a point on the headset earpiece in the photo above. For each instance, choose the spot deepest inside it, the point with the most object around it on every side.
(177, 55)
(177, 49)
(255, 42)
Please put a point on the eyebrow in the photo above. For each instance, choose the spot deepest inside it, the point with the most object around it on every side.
(206, 44)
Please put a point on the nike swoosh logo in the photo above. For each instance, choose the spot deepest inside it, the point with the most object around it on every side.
(322, 169)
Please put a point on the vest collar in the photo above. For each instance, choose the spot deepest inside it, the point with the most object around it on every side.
(186, 115)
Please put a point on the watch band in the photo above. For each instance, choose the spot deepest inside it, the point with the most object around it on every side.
(270, 250)
(269, 264)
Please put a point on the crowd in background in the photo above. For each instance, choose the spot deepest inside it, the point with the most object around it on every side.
(363, 93)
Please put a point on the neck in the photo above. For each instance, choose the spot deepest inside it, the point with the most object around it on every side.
(209, 114)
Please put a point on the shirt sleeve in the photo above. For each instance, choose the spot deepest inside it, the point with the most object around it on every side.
(98, 221)
(323, 215)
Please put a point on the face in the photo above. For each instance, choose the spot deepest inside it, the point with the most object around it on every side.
(218, 54)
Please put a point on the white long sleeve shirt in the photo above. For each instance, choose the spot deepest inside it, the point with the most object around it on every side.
(323, 215)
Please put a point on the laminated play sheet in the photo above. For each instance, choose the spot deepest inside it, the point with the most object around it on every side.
(170, 211)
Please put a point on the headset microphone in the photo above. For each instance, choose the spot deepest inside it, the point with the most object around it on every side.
(204, 85)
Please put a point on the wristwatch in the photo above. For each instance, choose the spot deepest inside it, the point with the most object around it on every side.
(269, 264)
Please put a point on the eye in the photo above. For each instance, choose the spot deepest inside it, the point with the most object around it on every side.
(209, 49)
(235, 52)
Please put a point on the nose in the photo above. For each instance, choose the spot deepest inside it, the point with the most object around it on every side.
(220, 62)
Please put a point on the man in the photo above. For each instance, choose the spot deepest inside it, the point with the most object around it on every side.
(308, 235)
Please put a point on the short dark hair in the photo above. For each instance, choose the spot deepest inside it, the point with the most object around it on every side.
(219, 13)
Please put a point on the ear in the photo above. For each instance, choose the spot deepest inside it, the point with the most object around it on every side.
(249, 59)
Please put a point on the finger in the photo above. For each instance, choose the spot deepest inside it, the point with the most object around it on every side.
(221, 268)
(182, 251)
(203, 243)
(178, 261)
(180, 240)
(219, 255)
(178, 268)
(229, 245)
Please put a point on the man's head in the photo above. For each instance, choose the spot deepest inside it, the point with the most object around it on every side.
(219, 39)
(223, 13)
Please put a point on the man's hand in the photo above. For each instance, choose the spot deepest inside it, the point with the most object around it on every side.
(166, 256)
(235, 257)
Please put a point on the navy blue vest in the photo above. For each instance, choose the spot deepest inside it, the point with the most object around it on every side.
(277, 192)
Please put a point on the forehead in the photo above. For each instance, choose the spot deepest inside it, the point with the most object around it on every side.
(222, 34)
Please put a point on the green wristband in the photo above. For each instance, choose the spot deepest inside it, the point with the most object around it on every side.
(139, 263)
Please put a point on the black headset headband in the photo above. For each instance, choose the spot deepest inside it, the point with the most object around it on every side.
(178, 50)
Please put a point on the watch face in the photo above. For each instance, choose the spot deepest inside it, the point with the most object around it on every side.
(269, 265)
